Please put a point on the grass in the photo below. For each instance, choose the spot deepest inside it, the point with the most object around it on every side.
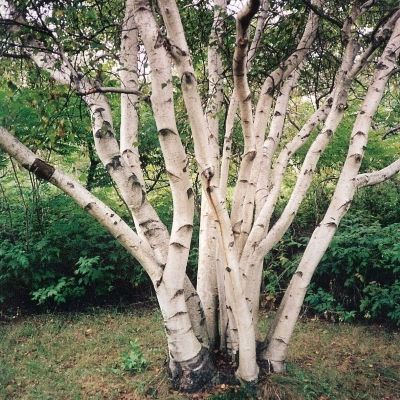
(79, 356)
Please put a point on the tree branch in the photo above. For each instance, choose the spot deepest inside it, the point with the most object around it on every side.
(391, 132)
(110, 89)
(318, 10)
(375, 177)
(100, 211)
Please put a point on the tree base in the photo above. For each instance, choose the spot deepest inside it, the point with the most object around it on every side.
(266, 365)
(193, 375)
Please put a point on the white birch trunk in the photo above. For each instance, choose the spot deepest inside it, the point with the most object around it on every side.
(268, 150)
(282, 329)
(183, 344)
(231, 247)
(207, 275)
(248, 369)
(129, 81)
(260, 240)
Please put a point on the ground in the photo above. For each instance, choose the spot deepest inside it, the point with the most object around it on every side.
(78, 356)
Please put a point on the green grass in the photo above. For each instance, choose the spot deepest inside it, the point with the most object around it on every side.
(78, 356)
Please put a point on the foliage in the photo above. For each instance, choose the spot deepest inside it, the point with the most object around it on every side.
(360, 273)
(51, 252)
(325, 304)
(381, 301)
(68, 259)
(133, 360)
(358, 278)
(87, 274)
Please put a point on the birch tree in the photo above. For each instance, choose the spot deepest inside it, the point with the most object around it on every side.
(237, 227)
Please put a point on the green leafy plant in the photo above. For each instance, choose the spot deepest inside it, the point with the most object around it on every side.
(133, 360)
(360, 273)
(381, 301)
(325, 304)
(63, 290)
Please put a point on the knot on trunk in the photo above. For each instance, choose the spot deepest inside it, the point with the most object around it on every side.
(41, 169)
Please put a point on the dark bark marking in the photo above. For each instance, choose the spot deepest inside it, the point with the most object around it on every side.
(143, 197)
(357, 157)
(190, 193)
(115, 163)
(166, 131)
(208, 173)
(178, 245)
(177, 293)
(159, 41)
(171, 175)
(188, 78)
(346, 204)
(331, 224)
(186, 227)
(359, 133)
(89, 206)
(134, 181)
(381, 66)
(99, 110)
(178, 314)
(159, 281)
(193, 294)
(105, 131)
(146, 224)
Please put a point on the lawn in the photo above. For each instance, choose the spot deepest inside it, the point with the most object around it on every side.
(79, 356)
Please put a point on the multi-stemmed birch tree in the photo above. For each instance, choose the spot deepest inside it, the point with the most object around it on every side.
(237, 227)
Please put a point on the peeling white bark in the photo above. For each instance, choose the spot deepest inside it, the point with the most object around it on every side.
(261, 240)
(248, 369)
(183, 344)
(207, 274)
(129, 141)
(231, 247)
(282, 329)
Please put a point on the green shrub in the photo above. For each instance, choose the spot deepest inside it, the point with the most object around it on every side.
(358, 277)
(381, 301)
(360, 272)
(71, 260)
(133, 360)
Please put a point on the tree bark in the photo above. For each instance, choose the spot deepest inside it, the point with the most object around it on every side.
(282, 328)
